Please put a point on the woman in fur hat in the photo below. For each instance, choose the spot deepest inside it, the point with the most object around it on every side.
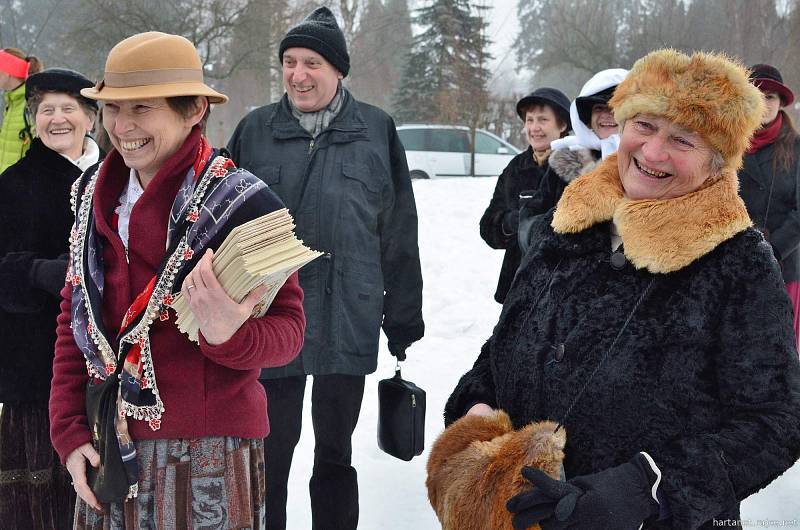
(545, 113)
(769, 179)
(186, 420)
(650, 320)
(596, 135)
(35, 220)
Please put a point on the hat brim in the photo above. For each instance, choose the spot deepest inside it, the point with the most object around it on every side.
(770, 85)
(527, 101)
(103, 92)
(585, 105)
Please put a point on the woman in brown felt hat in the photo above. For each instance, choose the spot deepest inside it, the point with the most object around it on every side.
(190, 418)
(768, 180)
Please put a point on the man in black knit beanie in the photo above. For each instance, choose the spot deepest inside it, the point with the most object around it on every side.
(340, 168)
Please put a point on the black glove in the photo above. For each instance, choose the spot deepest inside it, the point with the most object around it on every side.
(17, 295)
(49, 274)
(510, 222)
(618, 498)
(398, 350)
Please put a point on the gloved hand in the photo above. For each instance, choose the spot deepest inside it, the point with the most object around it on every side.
(618, 498)
(510, 222)
(398, 350)
(17, 295)
(48, 274)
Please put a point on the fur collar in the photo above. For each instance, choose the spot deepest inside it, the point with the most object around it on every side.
(570, 164)
(658, 235)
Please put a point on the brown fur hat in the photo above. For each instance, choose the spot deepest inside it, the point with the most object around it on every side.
(707, 93)
(474, 468)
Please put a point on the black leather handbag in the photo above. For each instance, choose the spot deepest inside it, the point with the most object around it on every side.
(401, 417)
(109, 481)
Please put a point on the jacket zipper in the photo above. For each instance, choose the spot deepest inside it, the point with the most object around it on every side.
(311, 146)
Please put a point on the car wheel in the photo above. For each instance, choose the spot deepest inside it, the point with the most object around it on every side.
(419, 175)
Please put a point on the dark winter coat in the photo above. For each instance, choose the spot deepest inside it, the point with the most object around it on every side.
(521, 174)
(351, 197)
(704, 376)
(35, 220)
(565, 166)
(780, 213)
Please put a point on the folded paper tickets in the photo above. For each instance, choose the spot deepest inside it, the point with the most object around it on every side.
(262, 251)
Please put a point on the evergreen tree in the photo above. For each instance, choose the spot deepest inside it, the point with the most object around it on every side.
(445, 78)
(414, 98)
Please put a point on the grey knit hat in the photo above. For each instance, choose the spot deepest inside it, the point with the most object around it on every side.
(319, 32)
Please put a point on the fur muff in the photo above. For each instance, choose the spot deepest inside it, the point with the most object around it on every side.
(708, 93)
(474, 468)
(660, 235)
(569, 164)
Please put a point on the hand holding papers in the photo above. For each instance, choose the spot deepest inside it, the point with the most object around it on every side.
(263, 251)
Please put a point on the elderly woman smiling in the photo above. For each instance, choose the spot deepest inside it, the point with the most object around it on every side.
(35, 217)
(649, 319)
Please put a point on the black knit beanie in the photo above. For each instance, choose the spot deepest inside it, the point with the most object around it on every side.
(319, 32)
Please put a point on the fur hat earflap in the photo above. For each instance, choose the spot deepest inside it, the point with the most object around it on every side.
(707, 93)
(475, 467)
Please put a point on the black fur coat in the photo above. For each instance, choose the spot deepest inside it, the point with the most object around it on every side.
(704, 376)
(35, 220)
(521, 174)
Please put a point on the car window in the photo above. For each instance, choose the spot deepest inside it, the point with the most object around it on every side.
(485, 144)
(449, 141)
(413, 139)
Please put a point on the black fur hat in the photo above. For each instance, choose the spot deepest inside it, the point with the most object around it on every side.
(59, 80)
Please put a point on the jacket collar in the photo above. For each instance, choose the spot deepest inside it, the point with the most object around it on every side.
(758, 166)
(661, 236)
(348, 125)
(16, 95)
(47, 160)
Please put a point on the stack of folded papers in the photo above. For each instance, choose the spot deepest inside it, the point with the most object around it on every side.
(262, 251)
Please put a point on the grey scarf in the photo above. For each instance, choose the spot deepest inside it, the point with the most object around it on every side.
(317, 121)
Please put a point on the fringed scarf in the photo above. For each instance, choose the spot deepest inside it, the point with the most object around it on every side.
(211, 191)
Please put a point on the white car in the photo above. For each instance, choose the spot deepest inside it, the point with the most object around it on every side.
(444, 151)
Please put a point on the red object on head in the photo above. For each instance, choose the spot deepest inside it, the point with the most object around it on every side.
(13, 65)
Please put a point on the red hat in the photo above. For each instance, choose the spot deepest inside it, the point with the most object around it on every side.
(768, 79)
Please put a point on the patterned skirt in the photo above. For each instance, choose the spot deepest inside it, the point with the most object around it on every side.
(214, 483)
(35, 489)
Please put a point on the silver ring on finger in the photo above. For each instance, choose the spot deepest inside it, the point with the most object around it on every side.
(188, 287)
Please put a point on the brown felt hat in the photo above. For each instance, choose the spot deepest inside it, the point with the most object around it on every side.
(153, 65)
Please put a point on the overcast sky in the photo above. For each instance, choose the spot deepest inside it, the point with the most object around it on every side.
(503, 29)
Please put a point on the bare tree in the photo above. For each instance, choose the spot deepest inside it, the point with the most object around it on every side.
(584, 36)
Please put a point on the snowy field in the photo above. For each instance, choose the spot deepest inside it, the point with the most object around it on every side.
(460, 273)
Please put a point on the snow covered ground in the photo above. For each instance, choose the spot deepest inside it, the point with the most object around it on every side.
(460, 273)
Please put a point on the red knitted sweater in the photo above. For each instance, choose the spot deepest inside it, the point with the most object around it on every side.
(207, 390)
